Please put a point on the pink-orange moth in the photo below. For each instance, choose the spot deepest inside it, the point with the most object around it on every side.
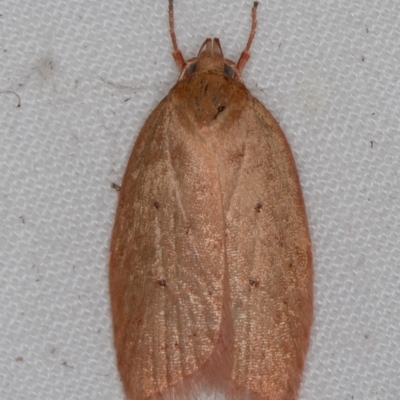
(211, 262)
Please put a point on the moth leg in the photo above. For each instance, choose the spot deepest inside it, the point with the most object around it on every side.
(177, 54)
(244, 57)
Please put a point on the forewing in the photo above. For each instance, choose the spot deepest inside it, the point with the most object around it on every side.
(167, 258)
(270, 264)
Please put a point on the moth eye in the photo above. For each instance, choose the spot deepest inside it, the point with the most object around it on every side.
(191, 68)
(229, 71)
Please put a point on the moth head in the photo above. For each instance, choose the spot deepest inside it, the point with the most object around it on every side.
(211, 58)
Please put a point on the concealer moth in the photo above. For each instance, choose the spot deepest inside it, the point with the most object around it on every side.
(211, 263)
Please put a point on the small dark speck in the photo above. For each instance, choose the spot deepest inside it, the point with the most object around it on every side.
(115, 186)
(64, 364)
(19, 359)
(127, 99)
(258, 207)
(366, 336)
(254, 282)
(162, 282)
(176, 344)
(219, 111)
(210, 293)
(366, 29)
(156, 205)
(362, 58)
(22, 219)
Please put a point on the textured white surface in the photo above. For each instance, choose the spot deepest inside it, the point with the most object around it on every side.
(89, 73)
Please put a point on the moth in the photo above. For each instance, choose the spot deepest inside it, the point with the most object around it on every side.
(211, 263)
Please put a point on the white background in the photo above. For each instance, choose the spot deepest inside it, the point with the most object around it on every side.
(88, 74)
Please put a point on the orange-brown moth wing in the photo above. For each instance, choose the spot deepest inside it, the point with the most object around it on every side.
(270, 262)
(268, 293)
(167, 257)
